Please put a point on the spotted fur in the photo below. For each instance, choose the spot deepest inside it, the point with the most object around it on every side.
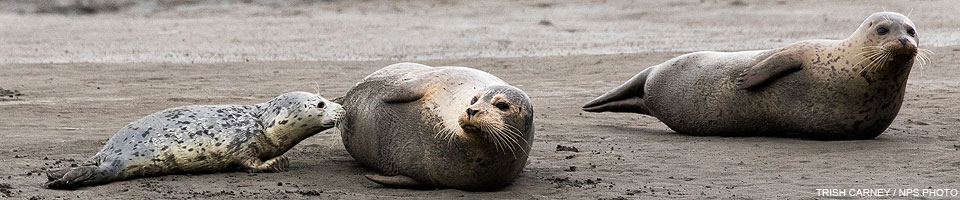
(410, 123)
(824, 89)
(204, 139)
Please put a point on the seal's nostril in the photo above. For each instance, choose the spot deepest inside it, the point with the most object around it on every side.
(903, 42)
(471, 112)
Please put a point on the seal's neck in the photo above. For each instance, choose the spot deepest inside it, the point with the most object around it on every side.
(281, 130)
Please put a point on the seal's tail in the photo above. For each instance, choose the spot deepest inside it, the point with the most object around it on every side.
(76, 177)
(628, 97)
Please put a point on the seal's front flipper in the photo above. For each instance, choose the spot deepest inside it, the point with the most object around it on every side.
(276, 164)
(338, 100)
(398, 181)
(628, 97)
(78, 177)
(777, 65)
(407, 90)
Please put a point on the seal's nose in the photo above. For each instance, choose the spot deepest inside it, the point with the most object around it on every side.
(471, 112)
(903, 42)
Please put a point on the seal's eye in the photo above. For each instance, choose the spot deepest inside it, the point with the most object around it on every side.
(503, 106)
(473, 101)
(320, 105)
(912, 32)
(882, 31)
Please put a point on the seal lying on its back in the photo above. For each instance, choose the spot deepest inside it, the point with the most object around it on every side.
(446, 127)
(200, 139)
(826, 89)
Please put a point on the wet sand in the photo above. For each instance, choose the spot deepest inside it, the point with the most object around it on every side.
(83, 77)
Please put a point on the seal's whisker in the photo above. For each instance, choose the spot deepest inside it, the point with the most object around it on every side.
(865, 59)
(444, 132)
(885, 61)
(516, 133)
(441, 131)
(510, 134)
(492, 136)
(519, 147)
(879, 60)
(450, 134)
(875, 47)
(925, 54)
(885, 16)
(498, 134)
(922, 61)
(867, 54)
(873, 60)
(500, 131)
(872, 55)
(499, 138)
(880, 63)
(923, 57)
(867, 51)
(439, 128)
(505, 133)
(504, 140)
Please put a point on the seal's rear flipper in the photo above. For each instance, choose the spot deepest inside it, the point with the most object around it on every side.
(56, 174)
(628, 97)
(629, 105)
(398, 181)
(78, 177)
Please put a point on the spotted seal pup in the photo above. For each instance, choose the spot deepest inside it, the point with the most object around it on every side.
(203, 139)
(822, 89)
(438, 127)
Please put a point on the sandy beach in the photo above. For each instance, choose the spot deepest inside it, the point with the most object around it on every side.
(83, 76)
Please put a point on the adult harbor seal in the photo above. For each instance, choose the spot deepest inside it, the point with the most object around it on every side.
(203, 139)
(439, 127)
(825, 89)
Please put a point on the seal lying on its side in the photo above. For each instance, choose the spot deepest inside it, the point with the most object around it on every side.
(440, 127)
(201, 139)
(825, 89)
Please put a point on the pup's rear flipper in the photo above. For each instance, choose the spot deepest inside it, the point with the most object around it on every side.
(56, 174)
(628, 97)
(77, 177)
(398, 181)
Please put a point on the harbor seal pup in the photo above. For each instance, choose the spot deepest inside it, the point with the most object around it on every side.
(203, 139)
(823, 89)
(438, 127)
